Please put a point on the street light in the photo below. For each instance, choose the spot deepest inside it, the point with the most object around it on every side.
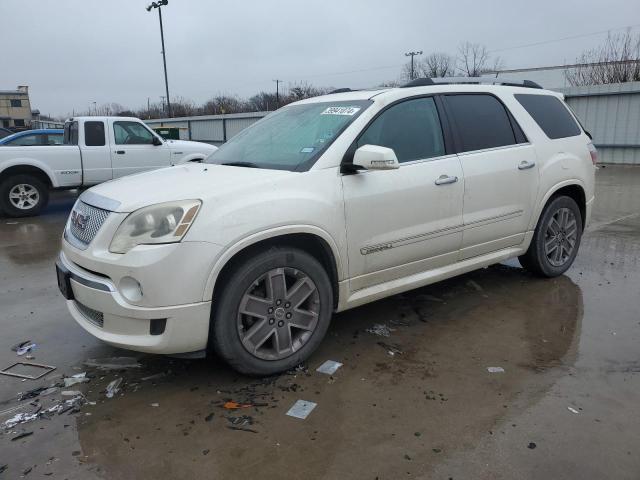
(412, 54)
(157, 5)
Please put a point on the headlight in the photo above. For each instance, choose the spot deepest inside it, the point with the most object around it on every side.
(161, 223)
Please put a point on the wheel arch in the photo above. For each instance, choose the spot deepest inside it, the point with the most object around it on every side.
(312, 240)
(570, 188)
(28, 169)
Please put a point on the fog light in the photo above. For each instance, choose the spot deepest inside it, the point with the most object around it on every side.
(157, 326)
(131, 289)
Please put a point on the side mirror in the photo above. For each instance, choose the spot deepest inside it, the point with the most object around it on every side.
(156, 141)
(375, 157)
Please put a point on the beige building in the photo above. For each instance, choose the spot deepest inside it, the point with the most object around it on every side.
(15, 108)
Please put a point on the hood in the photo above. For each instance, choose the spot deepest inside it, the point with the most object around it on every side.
(182, 182)
(188, 145)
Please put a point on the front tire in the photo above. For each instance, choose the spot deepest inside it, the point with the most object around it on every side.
(556, 238)
(273, 312)
(23, 196)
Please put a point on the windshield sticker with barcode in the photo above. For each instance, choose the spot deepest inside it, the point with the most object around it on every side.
(341, 111)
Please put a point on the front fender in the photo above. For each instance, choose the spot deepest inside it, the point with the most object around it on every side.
(229, 252)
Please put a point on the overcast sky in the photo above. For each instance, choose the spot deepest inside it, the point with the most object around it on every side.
(73, 52)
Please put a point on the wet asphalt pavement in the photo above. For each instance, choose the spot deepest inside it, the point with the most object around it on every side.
(417, 404)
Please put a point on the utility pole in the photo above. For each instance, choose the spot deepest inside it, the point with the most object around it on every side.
(412, 54)
(278, 82)
(158, 5)
(95, 108)
(148, 108)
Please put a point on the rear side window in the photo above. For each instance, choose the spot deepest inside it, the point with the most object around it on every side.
(482, 122)
(94, 134)
(411, 128)
(550, 114)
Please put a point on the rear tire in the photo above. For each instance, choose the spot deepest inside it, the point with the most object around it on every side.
(23, 196)
(556, 238)
(273, 311)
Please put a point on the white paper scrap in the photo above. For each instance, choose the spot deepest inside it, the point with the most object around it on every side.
(329, 367)
(301, 409)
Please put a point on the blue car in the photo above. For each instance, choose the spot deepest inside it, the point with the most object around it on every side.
(30, 138)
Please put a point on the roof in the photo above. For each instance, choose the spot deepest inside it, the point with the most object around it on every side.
(407, 91)
(14, 92)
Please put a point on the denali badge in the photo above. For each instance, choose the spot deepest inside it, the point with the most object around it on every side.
(79, 220)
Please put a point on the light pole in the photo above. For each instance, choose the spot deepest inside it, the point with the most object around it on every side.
(278, 82)
(412, 54)
(158, 5)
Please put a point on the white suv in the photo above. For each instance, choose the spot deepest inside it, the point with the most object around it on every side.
(324, 205)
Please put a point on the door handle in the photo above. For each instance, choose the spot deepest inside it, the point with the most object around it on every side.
(524, 165)
(445, 180)
(120, 152)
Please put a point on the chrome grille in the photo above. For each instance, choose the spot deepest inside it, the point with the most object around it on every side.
(93, 316)
(92, 219)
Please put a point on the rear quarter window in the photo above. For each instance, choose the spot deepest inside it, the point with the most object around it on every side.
(551, 115)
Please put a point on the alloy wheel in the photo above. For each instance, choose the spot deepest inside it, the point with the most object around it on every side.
(278, 313)
(24, 196)
(561, 237)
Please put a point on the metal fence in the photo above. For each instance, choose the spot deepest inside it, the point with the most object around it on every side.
(611, 113)
(214, 129)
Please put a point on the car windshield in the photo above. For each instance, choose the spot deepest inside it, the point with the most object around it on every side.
(291, 138)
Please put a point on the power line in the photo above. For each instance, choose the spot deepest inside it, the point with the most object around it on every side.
(546, 42)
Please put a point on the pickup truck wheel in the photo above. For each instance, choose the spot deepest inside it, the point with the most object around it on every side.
(556, 238)
(23, 196)
(273, 312)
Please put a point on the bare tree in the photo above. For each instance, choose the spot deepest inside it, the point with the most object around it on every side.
(302, 90)
(617, 60)
(437, 65)
(474, 59)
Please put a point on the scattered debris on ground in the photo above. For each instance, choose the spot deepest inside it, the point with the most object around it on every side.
(43, 370)
(235, 405)
(113, 387)
(495, 369)
(77, 378)
(473, 284)
(329, 367)
(113, 363)
(23, 347)
(572, 410)
(21, 436)
(531, 445)
(381, 330)
(230, 427)
(392, 350)
(301, 409)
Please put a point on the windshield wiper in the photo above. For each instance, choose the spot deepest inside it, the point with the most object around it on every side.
(241, 164)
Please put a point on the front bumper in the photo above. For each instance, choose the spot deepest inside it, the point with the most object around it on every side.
(101, 310)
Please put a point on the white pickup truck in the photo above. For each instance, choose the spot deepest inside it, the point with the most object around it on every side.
(95, 149)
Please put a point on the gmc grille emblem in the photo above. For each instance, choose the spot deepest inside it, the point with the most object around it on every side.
(79, 220)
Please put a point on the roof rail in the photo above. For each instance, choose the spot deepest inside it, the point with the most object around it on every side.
(421, 82)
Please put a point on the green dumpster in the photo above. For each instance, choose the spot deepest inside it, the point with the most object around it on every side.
(168, 133)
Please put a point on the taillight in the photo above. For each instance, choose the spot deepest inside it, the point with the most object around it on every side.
(593, 152)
